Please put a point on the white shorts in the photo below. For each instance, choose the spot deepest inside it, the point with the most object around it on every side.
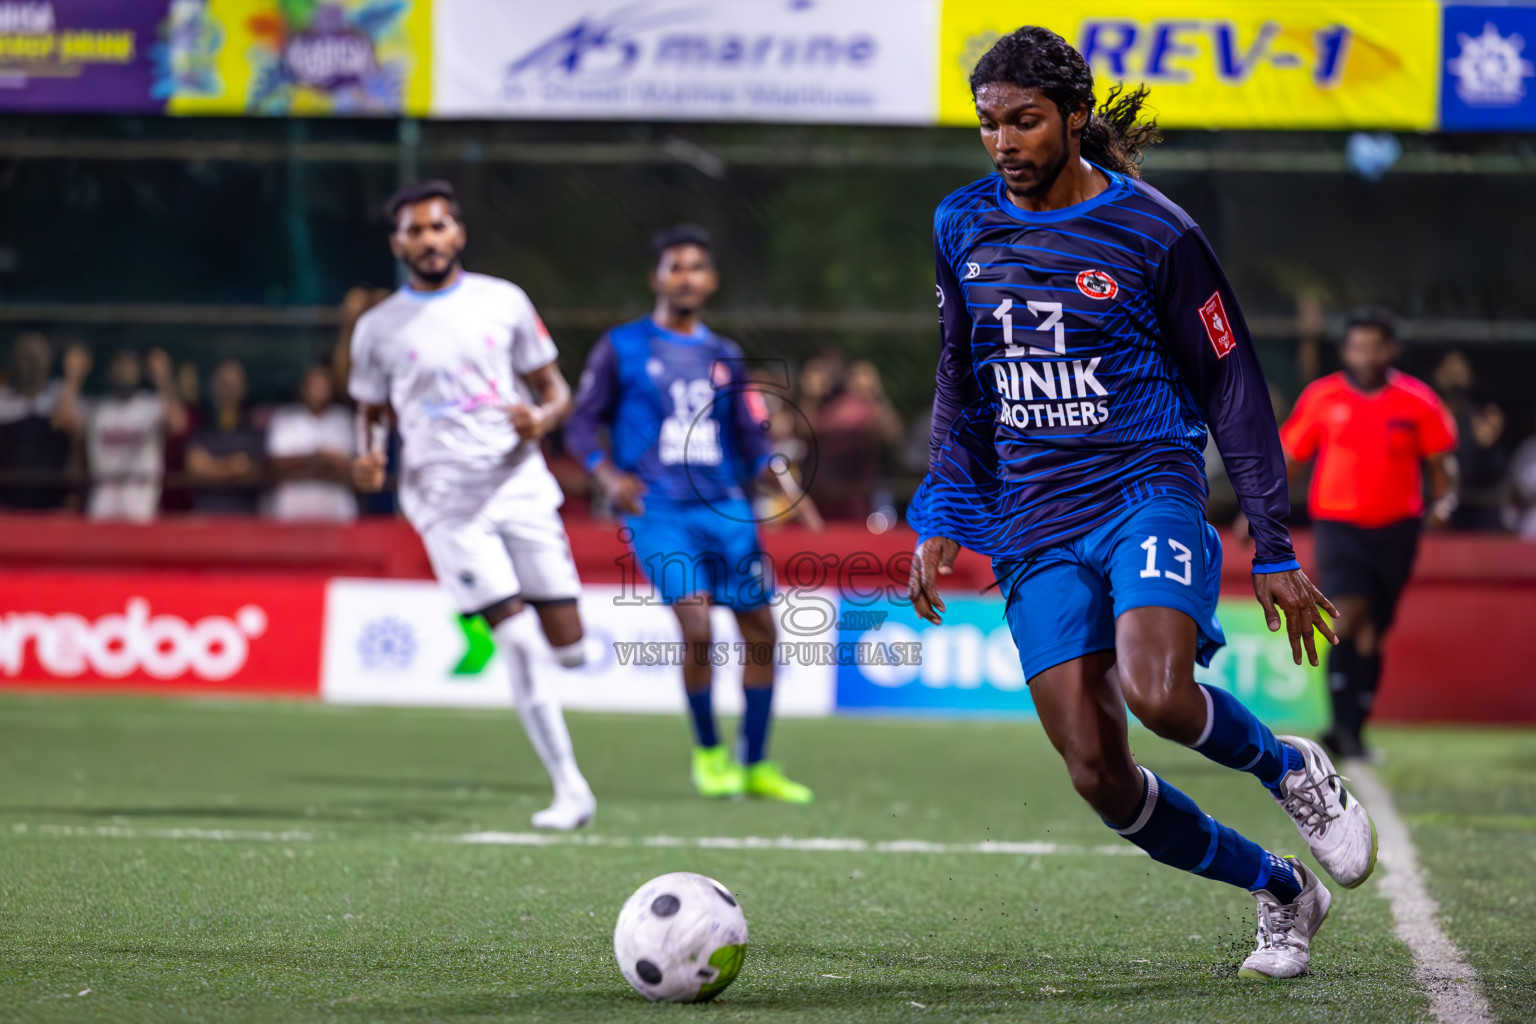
(511, 549)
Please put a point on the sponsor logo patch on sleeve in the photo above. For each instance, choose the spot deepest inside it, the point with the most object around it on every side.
(1217, 327)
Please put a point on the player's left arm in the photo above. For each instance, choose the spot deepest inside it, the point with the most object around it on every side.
(1209, 340)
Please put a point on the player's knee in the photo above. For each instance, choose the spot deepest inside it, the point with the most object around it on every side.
(1159, 700)
(1106, 785)
(1365, 639)
(571, 655)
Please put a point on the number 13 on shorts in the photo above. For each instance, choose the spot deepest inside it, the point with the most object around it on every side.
(1181, 556)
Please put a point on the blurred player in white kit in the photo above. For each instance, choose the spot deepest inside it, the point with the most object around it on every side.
(469, 371)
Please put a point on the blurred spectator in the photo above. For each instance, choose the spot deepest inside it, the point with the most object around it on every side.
(178, 497)
(224, 458)
(1520, 500)
(854, 428)
(1479, 427)
(125, 433)
(354, 304)
(309, 448)
(35, 444)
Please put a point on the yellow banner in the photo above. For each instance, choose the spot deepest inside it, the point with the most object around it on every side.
(1371, 63)
(299, 58)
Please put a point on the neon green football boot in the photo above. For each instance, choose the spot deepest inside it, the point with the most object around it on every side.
(767, 780)
(716, 773)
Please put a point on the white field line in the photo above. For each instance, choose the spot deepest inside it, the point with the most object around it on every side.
(812, 845)
(1450, 983)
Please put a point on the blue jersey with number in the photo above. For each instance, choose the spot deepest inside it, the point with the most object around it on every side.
(678, 411)
(1085, 352)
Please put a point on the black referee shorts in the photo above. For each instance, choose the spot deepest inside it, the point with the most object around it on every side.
(1369, 562)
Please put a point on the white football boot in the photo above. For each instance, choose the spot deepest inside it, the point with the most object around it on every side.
(570, 811)
(1286, 929)
(1335, 825)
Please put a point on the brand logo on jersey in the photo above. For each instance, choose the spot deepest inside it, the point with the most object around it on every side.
(1217, 327)
(940, 293)
(1097, 285)
(972, 270)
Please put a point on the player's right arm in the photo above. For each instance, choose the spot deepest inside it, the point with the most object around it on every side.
(597, 397)
(935, 555)
(368, 385)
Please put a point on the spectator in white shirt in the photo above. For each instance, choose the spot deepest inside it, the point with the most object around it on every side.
(125, 435)
(309, 449)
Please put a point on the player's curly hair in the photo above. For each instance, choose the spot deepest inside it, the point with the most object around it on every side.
(1037, 58)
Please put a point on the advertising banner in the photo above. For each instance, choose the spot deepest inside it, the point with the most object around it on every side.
(299, 58)
(837, 61)
(401, 642)
(1244, 64)
(970, 666)
(217, 634)
(1489, 69)
(86, 56)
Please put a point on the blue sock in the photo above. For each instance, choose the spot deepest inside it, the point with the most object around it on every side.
(1175, 832)
(701, 706)
(1235, 738)
(754, 723)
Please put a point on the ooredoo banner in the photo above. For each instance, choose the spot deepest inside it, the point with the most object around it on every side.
(247, 635)
(839, 61)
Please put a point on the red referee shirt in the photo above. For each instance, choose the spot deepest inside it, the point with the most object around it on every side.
(1368, 446)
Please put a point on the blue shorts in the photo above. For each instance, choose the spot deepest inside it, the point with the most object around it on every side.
(687, 547)
(1063, 602)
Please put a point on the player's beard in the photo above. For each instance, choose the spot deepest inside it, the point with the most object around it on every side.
(1050, 172)
(437, 277)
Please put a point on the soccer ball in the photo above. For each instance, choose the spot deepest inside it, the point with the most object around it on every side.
(680, 938)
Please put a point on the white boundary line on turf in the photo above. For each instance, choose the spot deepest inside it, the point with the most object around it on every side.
(810, 845)
(1439, 967)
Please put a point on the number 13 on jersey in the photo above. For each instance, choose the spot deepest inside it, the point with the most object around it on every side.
(1049, 315)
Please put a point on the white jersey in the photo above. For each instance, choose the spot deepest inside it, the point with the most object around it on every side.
(295, 432)
(451, 364)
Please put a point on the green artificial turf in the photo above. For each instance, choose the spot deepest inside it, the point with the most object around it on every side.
(1469, 798)
(222, 861)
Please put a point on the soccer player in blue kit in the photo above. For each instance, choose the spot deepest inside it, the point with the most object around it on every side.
(686, 437)
(1089, 341)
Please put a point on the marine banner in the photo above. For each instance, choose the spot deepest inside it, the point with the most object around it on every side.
(1239, 64)
(79, 56)
(834, 61)
(298, 58)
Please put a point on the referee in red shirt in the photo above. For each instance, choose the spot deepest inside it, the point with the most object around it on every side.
(1370, 428)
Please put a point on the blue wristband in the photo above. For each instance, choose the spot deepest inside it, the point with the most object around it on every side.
(1260, 568)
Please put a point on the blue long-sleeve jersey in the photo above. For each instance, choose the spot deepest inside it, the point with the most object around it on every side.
(1084, 354)
(679, 412)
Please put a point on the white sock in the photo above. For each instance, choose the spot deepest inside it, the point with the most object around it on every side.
(543, 720)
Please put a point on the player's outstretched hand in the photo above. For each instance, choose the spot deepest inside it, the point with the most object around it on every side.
(935, 557)
(368, 472)
(1303, 604)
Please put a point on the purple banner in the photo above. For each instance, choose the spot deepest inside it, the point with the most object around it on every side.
(85, 56)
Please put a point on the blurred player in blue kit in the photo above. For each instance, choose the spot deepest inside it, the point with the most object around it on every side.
(1089, 340)
(687, 437)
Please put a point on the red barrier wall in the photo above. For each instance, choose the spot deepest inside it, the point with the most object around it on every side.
(1462, 650)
